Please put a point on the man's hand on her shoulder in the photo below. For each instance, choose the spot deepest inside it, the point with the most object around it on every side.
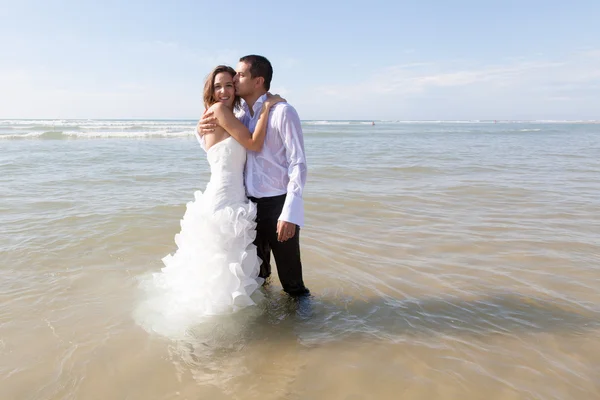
(207, 124)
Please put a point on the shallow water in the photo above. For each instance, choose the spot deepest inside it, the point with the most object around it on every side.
(446, 261)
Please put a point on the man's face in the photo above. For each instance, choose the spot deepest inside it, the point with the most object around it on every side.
(244, 83)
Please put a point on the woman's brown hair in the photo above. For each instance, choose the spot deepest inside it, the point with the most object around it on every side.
(209, 86)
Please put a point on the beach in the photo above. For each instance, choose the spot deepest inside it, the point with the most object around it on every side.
(446, 260)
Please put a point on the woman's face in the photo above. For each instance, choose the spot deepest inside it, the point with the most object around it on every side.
(224, 89)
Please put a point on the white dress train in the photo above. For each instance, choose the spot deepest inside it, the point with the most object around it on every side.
(215, 267)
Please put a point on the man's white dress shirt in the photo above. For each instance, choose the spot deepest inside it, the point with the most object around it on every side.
(280, 167)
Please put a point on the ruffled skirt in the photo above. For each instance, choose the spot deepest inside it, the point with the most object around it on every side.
(215, 267)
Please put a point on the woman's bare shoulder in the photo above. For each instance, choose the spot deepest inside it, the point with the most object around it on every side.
(218, 106)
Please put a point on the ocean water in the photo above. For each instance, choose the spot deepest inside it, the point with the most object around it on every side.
(447, 260)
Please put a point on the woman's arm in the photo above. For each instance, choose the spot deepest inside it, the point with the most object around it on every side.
(252, 141)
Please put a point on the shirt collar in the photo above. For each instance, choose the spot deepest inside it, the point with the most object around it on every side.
(257, 105)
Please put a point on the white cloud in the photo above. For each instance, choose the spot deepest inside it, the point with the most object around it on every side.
(534, 88)
(517, 89)
(177, 53)
(155, 79)
(280, 90)
(290, 63)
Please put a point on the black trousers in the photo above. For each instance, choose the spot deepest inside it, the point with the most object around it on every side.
(287, 254)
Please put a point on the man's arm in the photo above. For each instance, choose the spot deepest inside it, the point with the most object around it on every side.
(208, 123)
(293, 141)
(200, 137)
(204, 126)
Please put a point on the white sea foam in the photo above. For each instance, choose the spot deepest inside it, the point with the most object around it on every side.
(128, 134)
(97, 134)
(337, 122)
(98, 129)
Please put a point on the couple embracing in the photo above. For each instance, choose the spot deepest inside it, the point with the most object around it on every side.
(252, 205)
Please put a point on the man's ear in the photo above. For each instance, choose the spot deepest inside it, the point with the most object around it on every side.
(261, 81)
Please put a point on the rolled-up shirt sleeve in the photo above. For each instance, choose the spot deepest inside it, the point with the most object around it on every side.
(200, 140)
(293, 139)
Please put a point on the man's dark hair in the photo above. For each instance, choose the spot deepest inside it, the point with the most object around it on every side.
(259, 67)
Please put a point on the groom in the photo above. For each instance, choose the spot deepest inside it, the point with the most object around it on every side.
(274, 176)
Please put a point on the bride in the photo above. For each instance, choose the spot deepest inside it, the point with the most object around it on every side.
(215, 268)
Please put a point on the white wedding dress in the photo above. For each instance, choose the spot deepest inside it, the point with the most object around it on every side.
(215, 268)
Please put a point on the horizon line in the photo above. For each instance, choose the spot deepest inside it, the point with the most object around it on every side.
(312, 120)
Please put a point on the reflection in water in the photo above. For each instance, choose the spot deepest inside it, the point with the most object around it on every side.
(446, 261)
(226, 351)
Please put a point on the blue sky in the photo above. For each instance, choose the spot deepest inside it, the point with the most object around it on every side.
(402, 60)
